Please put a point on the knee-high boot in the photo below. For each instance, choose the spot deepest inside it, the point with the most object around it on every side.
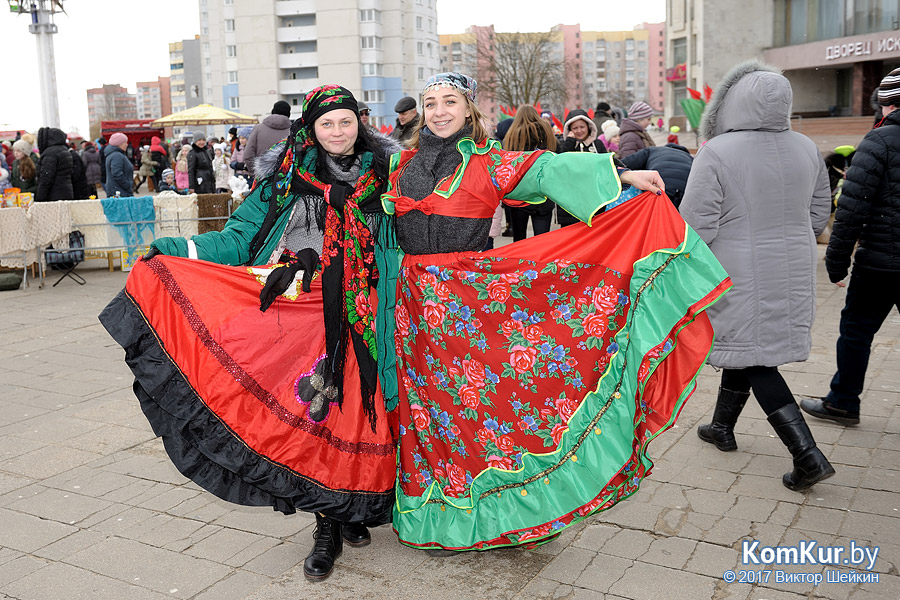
(720, 432)
(810, 465)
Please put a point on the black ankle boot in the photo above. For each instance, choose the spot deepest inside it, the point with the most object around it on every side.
(720, 432)
(356, 534)
(810, 465)
(327, 547)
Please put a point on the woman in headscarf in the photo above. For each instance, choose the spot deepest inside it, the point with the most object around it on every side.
(532, 377)
(262, 379)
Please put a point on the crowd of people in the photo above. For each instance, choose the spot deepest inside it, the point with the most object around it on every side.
(384, 364)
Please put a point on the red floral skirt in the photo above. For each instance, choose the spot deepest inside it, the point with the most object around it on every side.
(233, 391)
(533, 377)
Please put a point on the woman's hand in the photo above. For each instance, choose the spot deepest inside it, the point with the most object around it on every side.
(649, 181)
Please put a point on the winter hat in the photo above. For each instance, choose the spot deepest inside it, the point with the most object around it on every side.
(23, 146)
(281, 108)
(603, 106)
(363, 106)
(889, 90)
(404, 104)
(167, 172)
(464, 84)
(220, 147)
(117, 139)
(199, 135)
(245, 131)
(503, 128)
(639, 110)
(606, 125)
(611, 131)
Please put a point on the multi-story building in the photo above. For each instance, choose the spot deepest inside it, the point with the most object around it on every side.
(834, 53)
(257, 52)
(154, 98)
(186, 77)
(107, 103)
(618, 67)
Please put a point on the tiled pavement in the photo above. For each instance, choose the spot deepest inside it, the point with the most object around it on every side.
(90, 507)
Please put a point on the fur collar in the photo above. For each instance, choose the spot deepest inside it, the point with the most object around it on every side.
(267, 163)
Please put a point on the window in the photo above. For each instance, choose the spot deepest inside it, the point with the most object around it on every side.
(370, 15)
(234, 103)
(420, 48)
(374, 96)
(430, 26)
(419, 23)
(370, 42)
(232, 76)
(207, 61)
(421, 73)
(228, 2)
(372, 69)
(229, 24)
(230, 51)
(209, 92)
(205, 30)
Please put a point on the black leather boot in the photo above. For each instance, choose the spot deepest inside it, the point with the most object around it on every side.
(356, 534)
(720, 432)
(810, 465)
(327, 547)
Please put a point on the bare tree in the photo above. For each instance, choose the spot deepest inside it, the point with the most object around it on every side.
(619, 97)
(522, 68)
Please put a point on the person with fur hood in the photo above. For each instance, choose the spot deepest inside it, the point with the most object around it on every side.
(55, 173)
(221, 168)
(760, 213)
(284, 409)
(580, 134)
(633, 134)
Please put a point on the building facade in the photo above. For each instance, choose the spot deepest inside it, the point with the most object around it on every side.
(186, 77)
(257, 52)
(618, 67)
(108, 103)
(153, 98)
(834, 53)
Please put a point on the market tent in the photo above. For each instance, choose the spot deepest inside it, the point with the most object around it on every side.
(205, 114)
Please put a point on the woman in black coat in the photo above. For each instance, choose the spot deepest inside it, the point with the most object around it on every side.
(55, 175)
(200, 171)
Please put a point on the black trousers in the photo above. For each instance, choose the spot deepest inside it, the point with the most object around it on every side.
(871, 295)
(519, 216)
(769, 387)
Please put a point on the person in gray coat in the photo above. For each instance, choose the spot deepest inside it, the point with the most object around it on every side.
(760, 213)
(271, 131)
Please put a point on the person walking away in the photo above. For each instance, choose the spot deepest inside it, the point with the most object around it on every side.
(200, 171)
(760, 212)
(91, 159)
(102, 143)
(55, 173)
(145, 173)
(407, 120)
(221, 168)
(80, 188)
(866, 218)
(119, 170)
(24, 169)
(579, 135)
(529, 132)
(160, 158)
(633, 134)
(273, 129)
(672, 162)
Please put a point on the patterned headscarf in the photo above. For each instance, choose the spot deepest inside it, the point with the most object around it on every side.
(462, 83)
(321, 100)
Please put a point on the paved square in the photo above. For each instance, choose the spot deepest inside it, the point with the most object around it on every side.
(90, 506)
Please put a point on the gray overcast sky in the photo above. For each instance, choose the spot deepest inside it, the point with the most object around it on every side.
(125, 41)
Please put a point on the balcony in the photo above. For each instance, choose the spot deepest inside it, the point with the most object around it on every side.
(296, 86)
(298, 60)
(286, 35)
(288, 8)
